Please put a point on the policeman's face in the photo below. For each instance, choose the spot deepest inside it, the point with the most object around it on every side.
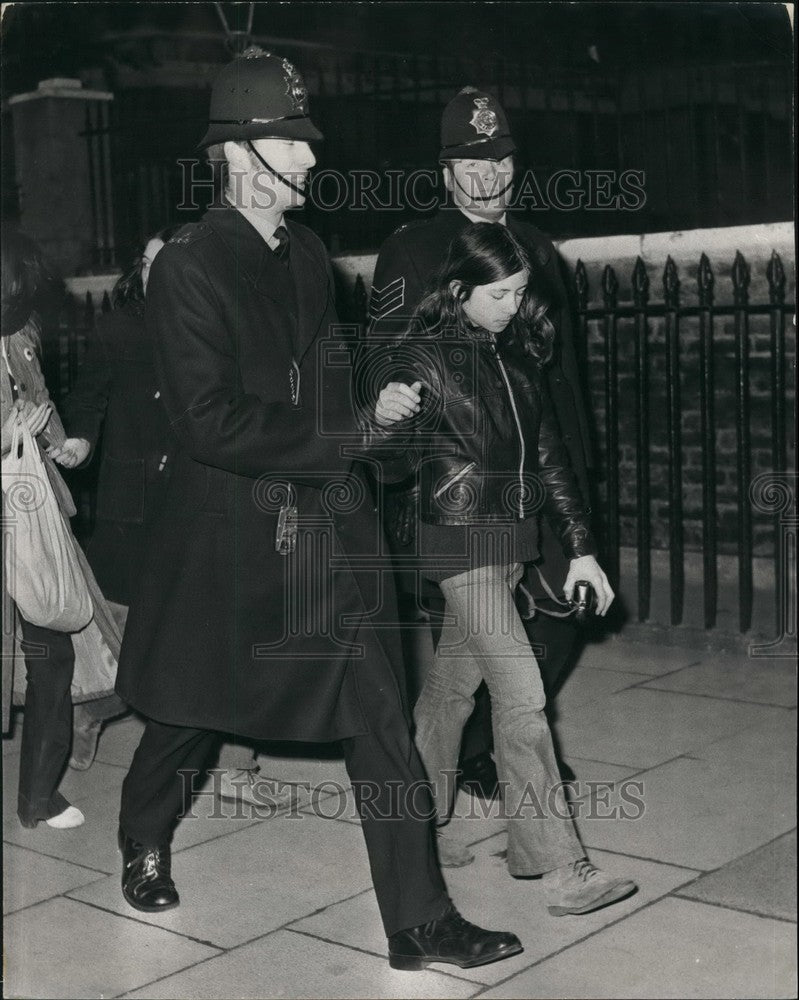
(291, 159)
(482, 187)
(147, 259)
(493, 306)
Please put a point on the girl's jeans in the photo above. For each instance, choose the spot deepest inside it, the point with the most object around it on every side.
(483, 639)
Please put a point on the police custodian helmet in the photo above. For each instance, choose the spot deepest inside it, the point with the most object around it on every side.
(259, 96)
(474, 126)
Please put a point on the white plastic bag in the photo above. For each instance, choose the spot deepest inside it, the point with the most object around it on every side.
(42, 571)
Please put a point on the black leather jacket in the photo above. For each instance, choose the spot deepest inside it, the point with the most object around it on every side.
(486, 447)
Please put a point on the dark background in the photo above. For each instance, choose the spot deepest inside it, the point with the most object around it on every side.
(698, 96)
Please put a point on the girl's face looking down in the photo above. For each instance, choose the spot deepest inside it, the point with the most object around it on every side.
(493, 306)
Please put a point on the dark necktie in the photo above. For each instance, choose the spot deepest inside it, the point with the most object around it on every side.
(281, 251)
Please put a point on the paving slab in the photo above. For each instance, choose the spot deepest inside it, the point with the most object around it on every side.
(62, 948)
(762, 882)
(699, 813)
(94, 844)
(674, 948)
(485, 893)
(637, 657)
(29, 877)
(76, 786)
(775, 741)
(586, 684)
(769, 681)
(643, 728)
(278, 965)
(242, 885)
(119, 739)
(598, 770)
(300, 769)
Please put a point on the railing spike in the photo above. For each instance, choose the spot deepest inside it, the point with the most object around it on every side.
(705, 281)
(776, 279)
(610, 287)
(581, 285)
(88, 311)
(640, 283)
(740, 278)
(106, 303)
(671, 284)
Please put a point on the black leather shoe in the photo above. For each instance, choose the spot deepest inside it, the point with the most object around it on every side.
(146, 876)
(479, 777)
(449, 939)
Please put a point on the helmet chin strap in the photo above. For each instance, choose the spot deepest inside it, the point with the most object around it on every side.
(485, 197)
(280, 177)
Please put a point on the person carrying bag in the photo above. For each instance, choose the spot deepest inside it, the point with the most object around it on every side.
(54, 615)
(43, 574)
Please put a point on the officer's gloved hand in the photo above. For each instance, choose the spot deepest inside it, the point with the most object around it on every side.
(401, 513)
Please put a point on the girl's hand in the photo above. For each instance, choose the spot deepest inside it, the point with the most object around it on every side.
(397, 402)
(73, 452)
(587, 568)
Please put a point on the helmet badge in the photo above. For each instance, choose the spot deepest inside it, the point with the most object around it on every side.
(295, 86)
(484, 120)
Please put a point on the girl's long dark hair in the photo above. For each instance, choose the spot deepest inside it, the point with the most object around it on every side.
(27, 280)
(128, 287)
(483, 253)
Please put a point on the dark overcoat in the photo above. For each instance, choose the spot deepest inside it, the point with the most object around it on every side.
(116, 395)
(225, 632)
(409, 260)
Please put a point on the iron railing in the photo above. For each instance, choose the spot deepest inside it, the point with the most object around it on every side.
(704, 315)
(639, 342)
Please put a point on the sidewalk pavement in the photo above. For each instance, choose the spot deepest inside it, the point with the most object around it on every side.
(282, 906)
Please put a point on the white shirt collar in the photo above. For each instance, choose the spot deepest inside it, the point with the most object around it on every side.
(263, 226)
(476, 218)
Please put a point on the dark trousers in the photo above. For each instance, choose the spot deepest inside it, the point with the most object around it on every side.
(552, 640)
(47, 726)
(386, 775)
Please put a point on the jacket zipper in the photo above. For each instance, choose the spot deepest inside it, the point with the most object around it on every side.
(454, 479)
(518, 428)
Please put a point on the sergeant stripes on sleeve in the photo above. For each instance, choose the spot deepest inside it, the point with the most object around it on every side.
(388, 298)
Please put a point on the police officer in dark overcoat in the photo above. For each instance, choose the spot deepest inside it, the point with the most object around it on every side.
(477, 157)
(256, 613)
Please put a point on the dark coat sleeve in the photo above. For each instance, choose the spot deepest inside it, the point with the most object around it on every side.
(397, 287)
(564, 504)
(563, 377)
(213, 417)
(87, 404)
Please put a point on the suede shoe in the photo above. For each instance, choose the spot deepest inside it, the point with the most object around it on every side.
(581, 888)
(84, 745)
(247, 786)
(450, 939)
(146, 876)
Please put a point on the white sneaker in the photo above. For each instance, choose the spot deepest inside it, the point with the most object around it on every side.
(66, 820)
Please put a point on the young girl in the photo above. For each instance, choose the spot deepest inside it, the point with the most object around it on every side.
(488, 455)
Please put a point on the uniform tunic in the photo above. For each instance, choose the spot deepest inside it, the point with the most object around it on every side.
(225, 632)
